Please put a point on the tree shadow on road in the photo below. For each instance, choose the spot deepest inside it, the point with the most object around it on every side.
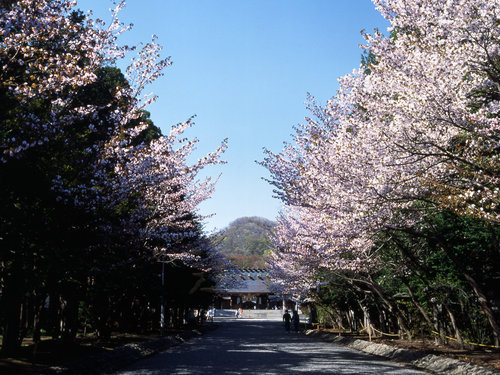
(261, 347)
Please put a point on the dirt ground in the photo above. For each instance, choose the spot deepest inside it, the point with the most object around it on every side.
(478, 356)
(54, 353)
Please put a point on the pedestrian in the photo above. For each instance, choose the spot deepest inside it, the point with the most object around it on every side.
(295, 320)
(210, 315)
(191, 318)
(286, 319)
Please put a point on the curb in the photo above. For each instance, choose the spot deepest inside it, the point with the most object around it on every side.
(122, 356)
(420, 360)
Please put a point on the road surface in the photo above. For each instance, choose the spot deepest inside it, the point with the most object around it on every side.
(258, 347)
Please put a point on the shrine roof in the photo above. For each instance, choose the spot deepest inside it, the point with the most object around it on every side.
(247, 280)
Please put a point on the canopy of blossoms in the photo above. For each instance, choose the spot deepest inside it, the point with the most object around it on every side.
(52, 54)
(413, 130)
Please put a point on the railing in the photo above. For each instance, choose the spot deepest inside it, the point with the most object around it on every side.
(251, 314)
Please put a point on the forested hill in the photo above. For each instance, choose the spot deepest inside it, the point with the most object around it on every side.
(245, 241)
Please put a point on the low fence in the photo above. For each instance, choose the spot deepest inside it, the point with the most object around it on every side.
(251, 314)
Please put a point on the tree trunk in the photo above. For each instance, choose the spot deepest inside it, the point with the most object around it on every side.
(381, 317)
(102, 313)
(366, 320)
(10, 340)
(36, 327)
(339, 320)
(54, 315)
(314, 314)
(391, 307)
(437, 324)
(483, 301)
(12, 301)
(419, 306)
(351, 320)
(70, 320)
(458, 336)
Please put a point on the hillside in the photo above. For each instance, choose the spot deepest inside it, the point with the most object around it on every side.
(245, 241)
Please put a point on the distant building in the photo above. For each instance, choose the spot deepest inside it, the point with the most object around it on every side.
(247, 288)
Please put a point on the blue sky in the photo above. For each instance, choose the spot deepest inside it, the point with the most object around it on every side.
(244, 68)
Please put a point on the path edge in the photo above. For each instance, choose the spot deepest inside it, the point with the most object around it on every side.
(113, 360)
(429, 362)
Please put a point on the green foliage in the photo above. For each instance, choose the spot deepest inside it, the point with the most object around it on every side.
(78, 258)
(67, 264)
(419, 281)
(245, 241)
(432, 260)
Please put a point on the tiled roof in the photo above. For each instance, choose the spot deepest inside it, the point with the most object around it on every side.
(252, 273)
(251, 280)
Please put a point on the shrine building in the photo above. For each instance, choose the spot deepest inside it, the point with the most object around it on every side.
(247, 288)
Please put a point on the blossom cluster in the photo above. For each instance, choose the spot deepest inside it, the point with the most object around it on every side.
(52, 56)
(412, 131)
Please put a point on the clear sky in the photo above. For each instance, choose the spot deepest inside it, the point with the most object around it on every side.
(244, 68)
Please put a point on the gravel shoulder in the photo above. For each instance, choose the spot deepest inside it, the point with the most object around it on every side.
(433, 363)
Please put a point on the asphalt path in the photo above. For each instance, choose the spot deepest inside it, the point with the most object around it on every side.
(257, 347)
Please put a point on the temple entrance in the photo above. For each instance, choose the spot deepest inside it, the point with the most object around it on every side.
(248, 289)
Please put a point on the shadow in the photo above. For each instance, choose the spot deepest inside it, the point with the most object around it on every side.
(261, 347)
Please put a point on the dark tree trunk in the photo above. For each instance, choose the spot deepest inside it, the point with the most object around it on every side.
(54, 316)
(70, 321)
(481, 295)
(483, 301)
(36, 326)
(390, 306)
(458, 336)
(419, 306)
(12, 301)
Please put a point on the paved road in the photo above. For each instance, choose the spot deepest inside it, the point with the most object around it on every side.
(261, 347)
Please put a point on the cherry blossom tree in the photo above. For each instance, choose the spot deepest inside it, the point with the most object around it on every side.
(412, 132)
(77, 150)
(52, 54)
(428, 94)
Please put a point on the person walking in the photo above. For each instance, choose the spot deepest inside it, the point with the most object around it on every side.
(295, 320)
(287, 319)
